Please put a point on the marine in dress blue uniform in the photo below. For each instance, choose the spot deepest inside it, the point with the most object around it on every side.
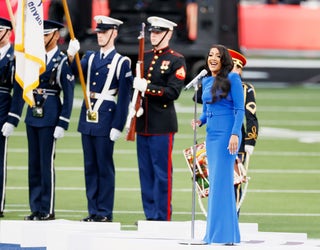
(7, 84)
(164, 73)
(46, 122)
(250, 126)
(109, 84)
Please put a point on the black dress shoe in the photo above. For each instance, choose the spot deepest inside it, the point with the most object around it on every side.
(47, 217)
(100, 218)
(33, 216)
(89, 218)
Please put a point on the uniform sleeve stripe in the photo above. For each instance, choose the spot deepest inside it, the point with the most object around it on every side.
(64, 119)
(14, 115)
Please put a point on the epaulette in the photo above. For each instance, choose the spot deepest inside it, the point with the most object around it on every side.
(175, 53)
(62, 54)
(248, 84)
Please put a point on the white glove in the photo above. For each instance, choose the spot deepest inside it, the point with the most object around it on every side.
(73, 48)
(7, 129)
(58, 132)
(249, 149)
(140, 84)
(115, 134)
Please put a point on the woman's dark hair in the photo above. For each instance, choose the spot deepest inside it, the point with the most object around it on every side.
(221, 82)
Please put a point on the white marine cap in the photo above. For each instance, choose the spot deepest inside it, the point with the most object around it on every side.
(160, 24)
(105, 23)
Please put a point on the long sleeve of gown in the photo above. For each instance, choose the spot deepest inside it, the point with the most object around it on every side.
(238, 100)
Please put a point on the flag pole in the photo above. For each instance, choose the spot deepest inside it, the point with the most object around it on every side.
(81, 77)
(13, 22)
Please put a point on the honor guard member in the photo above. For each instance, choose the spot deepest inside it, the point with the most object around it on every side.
(46, 122)
(7, 83)
(108, 87)
(250, 126)
(165, 72)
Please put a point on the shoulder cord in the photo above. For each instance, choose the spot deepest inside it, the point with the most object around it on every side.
(56, 72)
(59, 71)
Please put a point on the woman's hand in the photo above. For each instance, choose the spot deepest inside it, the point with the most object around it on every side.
(233, 144)
(195, 123)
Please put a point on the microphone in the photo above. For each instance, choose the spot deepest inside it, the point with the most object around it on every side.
(196, 79)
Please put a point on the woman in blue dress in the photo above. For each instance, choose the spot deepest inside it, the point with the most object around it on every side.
(223, 114)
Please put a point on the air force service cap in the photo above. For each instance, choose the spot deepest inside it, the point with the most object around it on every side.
(5, 24)
(237, 58)
(106, 23)
(50, 26)
(159, 24)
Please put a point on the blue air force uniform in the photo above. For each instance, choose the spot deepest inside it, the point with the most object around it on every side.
(53, 105)
(165, 74)
(7, 83)
(57, 80)
(109, 83)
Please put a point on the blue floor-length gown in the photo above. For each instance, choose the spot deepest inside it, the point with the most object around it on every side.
(222, 119)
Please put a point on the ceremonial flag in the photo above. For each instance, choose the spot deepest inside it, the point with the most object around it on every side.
(29, 47)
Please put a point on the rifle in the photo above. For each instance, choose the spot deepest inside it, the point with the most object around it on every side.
(135, 109)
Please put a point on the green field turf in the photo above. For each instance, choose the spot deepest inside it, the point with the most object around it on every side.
(283, 193)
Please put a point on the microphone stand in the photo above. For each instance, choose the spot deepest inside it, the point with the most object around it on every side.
(192, 241)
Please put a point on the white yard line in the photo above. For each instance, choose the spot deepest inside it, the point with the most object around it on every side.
(182, 170)
(184, 190)
(176, 152)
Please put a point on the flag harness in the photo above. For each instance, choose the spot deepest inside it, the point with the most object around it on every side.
(54, 89)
